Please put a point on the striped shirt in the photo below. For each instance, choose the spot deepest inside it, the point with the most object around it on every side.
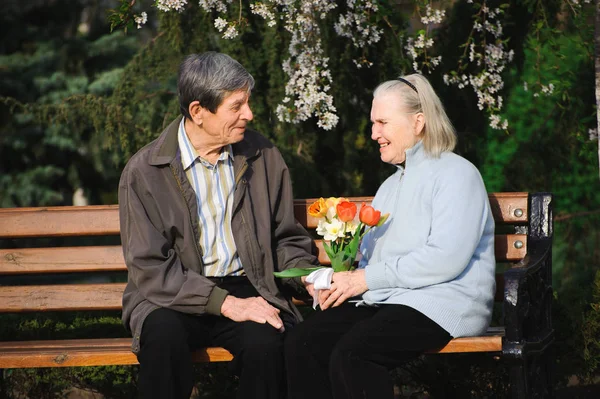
(214, 186)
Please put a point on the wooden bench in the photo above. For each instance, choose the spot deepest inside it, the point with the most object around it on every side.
(523, 251)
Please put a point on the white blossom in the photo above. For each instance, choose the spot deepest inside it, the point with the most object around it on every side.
(220, 24)
(356, 24)
(417, 47)
(578, 3)
(309, 80)
(548, 90)
(168, 5)
(263, 10)
(141, 19)
(307, 68)
(230, 32)
(432, 16)
(497, 123)
(214, 5)
(486, 59)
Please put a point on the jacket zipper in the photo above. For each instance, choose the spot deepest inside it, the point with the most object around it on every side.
(238, 178)
(241, 172)
(196, 238)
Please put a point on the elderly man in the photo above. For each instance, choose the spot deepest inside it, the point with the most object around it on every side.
(207, 216)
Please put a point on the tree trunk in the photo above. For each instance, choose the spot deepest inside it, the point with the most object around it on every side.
(597, 65)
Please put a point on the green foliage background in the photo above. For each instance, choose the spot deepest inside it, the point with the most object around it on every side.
(77, 101)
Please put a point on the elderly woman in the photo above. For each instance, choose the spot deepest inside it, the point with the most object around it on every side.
(426, 275)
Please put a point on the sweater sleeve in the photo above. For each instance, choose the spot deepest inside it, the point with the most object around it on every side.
(460, 208)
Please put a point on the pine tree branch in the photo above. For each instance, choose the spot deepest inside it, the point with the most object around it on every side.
(567, 216)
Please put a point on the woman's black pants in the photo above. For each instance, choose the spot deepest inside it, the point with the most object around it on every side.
(346, 352)
(169, 337)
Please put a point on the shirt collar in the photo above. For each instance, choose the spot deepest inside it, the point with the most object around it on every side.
(189, 153)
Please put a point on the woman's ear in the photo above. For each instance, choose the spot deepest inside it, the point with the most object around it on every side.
(196, 112)
(419, 123)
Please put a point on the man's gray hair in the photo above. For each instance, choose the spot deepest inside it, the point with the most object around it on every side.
(208, 78)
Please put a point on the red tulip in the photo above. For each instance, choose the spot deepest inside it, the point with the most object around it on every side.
(368, 215)
(346, 211)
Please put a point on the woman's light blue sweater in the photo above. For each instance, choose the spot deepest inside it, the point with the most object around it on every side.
(436, 251)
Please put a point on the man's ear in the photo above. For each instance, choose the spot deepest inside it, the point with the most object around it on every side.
(196, 112)
(419, 123)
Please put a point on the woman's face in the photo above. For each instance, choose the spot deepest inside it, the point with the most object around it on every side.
(394, 130)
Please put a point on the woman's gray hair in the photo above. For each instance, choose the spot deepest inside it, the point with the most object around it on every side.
(438, 133)
(208, 78)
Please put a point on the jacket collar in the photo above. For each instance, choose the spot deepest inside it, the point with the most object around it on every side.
(166, 146)
(414, 156)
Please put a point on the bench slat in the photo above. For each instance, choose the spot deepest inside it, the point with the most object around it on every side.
(110, 258)
(84, 352)
(32, 298)
(503, 207)
(117, 351)
(504, 248)
(472, 344)
(62, 221)
(309, 222)
(62, 260)
(59, 221)
(73, 297)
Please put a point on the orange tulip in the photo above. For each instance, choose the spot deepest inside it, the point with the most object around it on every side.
(318, 208)
(345, 211)
(368, 215)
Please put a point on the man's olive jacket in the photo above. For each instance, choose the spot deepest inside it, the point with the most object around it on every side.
(159, 230)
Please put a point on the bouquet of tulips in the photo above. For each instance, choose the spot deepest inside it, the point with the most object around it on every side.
(342, 227)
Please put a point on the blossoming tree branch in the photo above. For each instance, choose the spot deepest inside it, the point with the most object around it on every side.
(484, 56)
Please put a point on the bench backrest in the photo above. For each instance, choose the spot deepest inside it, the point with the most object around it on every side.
(22, 224)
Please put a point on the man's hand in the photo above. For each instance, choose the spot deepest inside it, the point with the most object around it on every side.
(344, 285)
(251, 309)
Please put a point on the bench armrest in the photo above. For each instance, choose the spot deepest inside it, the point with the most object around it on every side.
(528, 301)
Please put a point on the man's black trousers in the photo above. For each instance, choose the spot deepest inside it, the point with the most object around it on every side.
(169, 337)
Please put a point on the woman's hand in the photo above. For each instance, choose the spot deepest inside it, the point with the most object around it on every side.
(344, 285)
(310, 288)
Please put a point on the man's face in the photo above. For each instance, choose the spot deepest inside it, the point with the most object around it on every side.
(228, 124)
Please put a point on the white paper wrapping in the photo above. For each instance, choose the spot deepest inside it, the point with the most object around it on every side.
(321, 280)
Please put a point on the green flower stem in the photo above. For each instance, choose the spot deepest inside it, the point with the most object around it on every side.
(297, 272)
